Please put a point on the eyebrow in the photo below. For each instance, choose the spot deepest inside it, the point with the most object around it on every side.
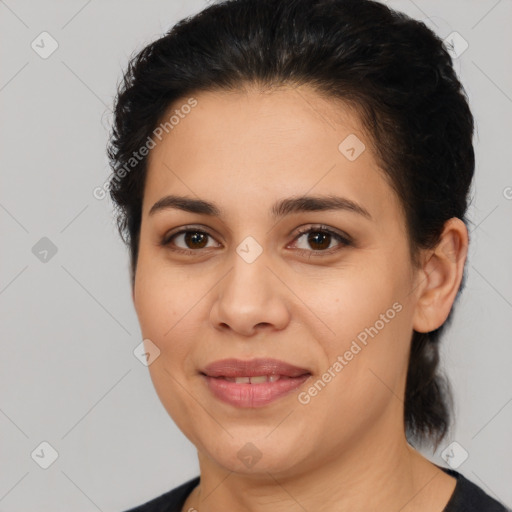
(279, 209)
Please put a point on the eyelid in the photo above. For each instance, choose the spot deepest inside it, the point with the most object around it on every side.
(321, 227)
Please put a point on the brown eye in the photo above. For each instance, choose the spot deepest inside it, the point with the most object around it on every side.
(195, 239)
(314, 241)
(188, 241)
(320, 240)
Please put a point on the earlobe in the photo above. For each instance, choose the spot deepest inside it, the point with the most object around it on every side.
(441, 277)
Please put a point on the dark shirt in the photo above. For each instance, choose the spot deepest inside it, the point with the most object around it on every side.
(466, 497)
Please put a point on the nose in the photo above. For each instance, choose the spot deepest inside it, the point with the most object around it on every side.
(250, 299)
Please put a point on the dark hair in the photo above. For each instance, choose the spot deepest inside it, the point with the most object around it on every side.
(392, 69)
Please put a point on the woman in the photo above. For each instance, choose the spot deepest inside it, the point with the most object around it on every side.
(292, 178)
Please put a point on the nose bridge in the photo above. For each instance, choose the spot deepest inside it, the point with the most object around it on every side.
(249, 279)
(250, 294)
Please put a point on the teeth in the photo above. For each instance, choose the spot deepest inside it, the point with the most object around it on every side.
(259, 379)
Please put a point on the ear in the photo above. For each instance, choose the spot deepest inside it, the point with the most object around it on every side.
(440, 277)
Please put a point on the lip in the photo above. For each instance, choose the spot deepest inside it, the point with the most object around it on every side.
(251, 368)
(249, 395)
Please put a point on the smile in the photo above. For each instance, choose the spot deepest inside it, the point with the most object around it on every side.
(251, 392)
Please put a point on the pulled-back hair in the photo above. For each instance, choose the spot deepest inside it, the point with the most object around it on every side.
(392, 69)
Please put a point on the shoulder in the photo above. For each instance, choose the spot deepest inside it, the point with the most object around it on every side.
(171, 501)
(469, 497)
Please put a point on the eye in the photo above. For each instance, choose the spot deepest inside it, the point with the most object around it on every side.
(192, 240)
(320, 239)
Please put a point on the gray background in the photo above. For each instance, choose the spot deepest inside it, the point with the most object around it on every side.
(68, 374)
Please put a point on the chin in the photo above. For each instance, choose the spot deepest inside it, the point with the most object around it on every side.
(255, 455)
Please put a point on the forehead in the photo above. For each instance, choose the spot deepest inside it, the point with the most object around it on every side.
(270, 143)
(284, 115)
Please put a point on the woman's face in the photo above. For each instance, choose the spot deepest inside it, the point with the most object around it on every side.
(251, 286)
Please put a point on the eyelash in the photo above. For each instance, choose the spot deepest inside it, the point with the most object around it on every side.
(343, 240)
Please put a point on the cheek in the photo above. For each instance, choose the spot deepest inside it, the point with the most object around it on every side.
(362, 379)
(354, 300)
(162, 297)
(172, 310)
(165, 309)
(371, 321)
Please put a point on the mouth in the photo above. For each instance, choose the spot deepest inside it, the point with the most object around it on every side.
(258, 379)
(236, 368)
(253, 383)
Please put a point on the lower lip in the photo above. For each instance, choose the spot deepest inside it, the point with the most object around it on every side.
(252, 395)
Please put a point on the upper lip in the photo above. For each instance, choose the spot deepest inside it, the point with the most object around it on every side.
(252, 368)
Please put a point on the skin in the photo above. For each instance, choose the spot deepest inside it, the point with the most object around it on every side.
(346, 449)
